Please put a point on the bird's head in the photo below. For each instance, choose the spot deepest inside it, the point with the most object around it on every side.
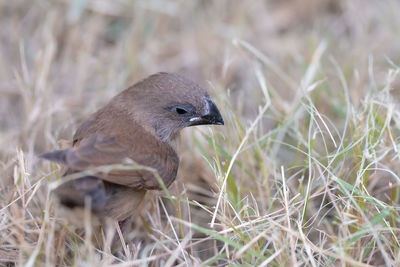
(168, 102)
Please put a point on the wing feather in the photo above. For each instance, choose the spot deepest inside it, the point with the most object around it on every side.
(95, 151)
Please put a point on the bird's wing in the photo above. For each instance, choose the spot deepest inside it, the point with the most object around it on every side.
(95, 151)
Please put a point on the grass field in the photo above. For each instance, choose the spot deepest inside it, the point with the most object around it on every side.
(305, 171)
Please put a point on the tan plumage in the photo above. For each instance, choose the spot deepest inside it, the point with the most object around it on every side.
(141, 124)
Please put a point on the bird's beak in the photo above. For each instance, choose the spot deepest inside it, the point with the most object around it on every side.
(210, 116)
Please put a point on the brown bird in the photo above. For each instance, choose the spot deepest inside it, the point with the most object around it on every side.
(141, 124)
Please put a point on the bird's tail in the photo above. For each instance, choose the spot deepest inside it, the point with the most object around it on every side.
(73, 193)
(59, 156)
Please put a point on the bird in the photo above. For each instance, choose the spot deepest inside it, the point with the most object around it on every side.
(138, 127)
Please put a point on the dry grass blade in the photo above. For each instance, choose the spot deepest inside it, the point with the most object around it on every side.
(305, 171)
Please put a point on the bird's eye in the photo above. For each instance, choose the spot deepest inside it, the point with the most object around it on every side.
(180, 110)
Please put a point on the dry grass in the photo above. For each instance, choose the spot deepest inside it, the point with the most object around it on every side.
(304, 173)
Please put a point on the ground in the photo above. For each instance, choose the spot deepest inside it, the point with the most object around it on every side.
(305, 171)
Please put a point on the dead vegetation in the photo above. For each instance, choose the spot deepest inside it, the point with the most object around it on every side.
(304, 173)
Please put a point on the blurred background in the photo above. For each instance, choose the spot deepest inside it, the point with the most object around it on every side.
(62, 60)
